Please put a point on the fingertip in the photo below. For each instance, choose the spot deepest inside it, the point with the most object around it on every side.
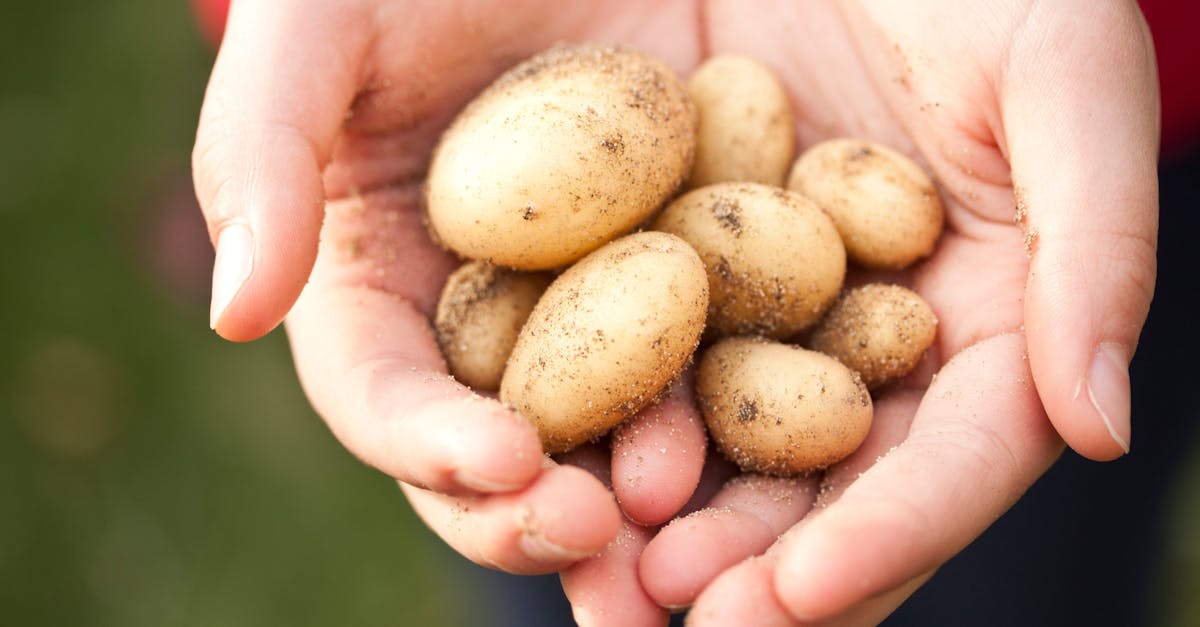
(742, 595)
(688, 553)
(466, 445)
(265, 221)
(573, 516)
(804, 593)
(657, 459)
(605, 590)
(1094, 419)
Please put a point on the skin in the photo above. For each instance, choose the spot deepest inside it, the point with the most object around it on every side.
(317, 126)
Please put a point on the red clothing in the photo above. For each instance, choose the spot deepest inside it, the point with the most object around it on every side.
(1173, 24)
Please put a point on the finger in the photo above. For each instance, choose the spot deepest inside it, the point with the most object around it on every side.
(286, 74)
(744, 595)
(564, 516)
(371, 367)
(889, 426)
(978, 440)
(604, 590)
(742, 520)
(1082, 132)
(657, 456)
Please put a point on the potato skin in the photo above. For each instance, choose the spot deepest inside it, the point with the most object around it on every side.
(481, 310)
(746, 132)
(606, 337)
(561, 154)
(880, 331)
(775, 261)
(884, 205)
(780, 409)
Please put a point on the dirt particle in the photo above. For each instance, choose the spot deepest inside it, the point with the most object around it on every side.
(728, 215)
(747, 411)
(862, 152)
(614, 144)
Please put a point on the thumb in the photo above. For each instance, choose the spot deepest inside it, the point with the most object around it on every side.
(1080, 113)
(285, 76)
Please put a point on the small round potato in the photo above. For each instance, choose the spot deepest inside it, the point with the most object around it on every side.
(607, 336)
(880, 331)
(561, 154)
(746, 132)
(480, 313)
(884, 205)
(780, 409)
(775, 262)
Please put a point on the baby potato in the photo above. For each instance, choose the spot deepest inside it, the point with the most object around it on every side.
(607, 336)
(884, 205)
(561, 154)
(880, 331)
(746, 132)
(780, 409)
(775, 262)
(481, 310)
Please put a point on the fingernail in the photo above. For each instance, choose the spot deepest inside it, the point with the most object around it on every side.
(537, 547)
(1108, 391)
(235, 260)
(470, 480)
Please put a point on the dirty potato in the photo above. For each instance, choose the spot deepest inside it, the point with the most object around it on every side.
(780, 409)
(775, 262)
(481, 310)
(606, 337)
(884, 205)
(561, 154)
(880, 331)
(746, 133)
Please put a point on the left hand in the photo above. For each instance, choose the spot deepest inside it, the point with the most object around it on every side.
(1045, 112)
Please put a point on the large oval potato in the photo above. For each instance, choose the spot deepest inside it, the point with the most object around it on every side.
(880, 331)
(775, 261)
(481, 310)
(884, 205)
(745, 131)
(561, 154)
(607, 336)
(780, 409)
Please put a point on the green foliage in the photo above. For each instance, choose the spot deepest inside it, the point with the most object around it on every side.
(151, 474)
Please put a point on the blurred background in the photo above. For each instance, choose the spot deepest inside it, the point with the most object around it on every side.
(151, 474)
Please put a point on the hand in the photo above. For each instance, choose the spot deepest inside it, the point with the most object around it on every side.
(313, 106)
(1043, 111)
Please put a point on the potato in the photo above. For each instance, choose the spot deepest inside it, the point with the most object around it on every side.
(884, 205)
(880, 331)
(775, 262)
(561, 154)
(746, 132)
(607, 336)
(481, 310)
(780, 409)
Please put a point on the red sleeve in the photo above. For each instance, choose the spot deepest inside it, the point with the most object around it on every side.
(1175, 25)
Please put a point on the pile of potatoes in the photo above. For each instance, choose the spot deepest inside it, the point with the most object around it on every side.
(580, 324)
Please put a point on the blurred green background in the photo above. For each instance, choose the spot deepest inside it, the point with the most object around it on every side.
(150, 473)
